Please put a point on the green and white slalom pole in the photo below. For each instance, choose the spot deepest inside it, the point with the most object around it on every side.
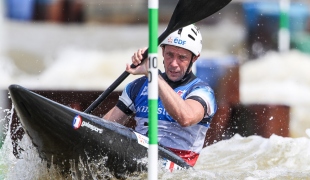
(153, 90)
(284, 33)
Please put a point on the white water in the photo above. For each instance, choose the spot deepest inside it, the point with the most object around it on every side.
(276, 78)
(251, 158)
(280, 79)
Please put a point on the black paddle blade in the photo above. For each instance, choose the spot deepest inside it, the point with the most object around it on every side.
(190, 11)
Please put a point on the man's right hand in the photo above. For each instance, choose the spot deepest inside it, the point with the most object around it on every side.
(142, 68)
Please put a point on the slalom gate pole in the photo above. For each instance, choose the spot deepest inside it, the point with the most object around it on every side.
(153, 90)
(284, 33)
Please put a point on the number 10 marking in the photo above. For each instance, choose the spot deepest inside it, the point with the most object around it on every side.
(152, 67)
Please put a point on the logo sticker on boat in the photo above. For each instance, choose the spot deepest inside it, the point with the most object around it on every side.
(77, 121)
(142, 140)
(92, 127)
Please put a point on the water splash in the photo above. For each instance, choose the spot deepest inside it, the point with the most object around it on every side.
(30, 166)
(248, 158)
(251, 157)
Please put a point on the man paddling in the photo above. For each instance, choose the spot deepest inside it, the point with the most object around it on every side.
(186, 104)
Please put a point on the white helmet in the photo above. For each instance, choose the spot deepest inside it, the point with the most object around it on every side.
(188, 37)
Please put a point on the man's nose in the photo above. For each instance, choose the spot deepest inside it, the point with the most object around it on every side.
(174, 62)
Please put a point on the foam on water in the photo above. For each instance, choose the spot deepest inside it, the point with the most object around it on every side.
(274, 76)
(251, 157)
(72, 68)
(29, 167)
(280, 78)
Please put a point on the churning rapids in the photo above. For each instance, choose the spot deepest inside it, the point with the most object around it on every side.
(249, 158)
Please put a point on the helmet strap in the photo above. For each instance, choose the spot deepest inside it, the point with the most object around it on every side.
(190, 64)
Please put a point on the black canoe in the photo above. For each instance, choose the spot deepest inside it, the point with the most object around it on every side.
(62, 135)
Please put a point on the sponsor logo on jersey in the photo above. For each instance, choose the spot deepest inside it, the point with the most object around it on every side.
(180, 93)
(77, 121)
(144, 91)
(145, 109)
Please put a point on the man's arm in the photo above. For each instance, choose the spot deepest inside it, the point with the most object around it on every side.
(186, 112)
(116, 115)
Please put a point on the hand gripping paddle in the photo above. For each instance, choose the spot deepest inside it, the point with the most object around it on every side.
(186, 12)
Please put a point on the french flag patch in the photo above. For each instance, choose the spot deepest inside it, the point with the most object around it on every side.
(77, 121)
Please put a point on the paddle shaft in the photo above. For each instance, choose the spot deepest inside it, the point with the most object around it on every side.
(120, 79)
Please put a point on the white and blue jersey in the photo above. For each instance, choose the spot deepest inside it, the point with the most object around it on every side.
(134, 99)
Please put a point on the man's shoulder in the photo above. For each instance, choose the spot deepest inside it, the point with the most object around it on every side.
(200, 84)
(137, 83)
(138, 80)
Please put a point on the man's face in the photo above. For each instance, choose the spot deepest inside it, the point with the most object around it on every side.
(176, 61)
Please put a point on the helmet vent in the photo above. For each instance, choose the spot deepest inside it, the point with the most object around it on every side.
(180, 31)
(190, 36)
(194, 32)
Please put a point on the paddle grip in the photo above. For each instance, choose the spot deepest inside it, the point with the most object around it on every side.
(144, 55)
(160, 40)
(122, 77)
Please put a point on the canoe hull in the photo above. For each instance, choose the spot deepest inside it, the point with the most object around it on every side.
(62, 134)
